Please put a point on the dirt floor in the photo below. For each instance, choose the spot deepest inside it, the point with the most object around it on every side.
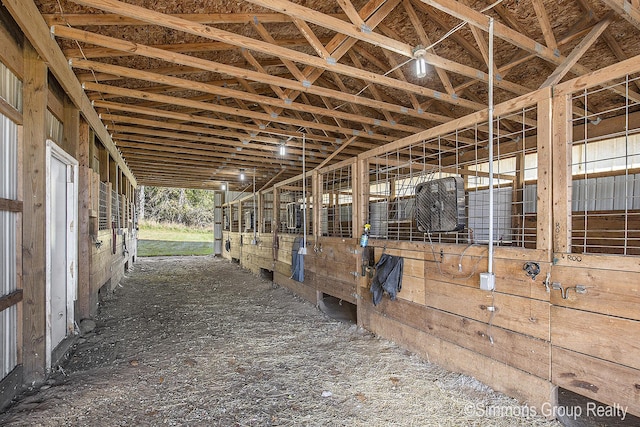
(198, 341)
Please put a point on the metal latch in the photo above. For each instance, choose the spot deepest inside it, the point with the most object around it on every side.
(580, 289)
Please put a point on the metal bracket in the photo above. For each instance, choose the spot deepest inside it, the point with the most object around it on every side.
(547, 282)
(355, 273)
(580, 289)
(353, 251)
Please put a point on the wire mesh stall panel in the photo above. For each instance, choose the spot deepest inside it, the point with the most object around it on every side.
(226, 218)
(266, 220)
(115, 208)
(605, 170)
(234, 217)
(103, 207)
(337, 202)
(439, 190)
(249, 214)
(295, 206)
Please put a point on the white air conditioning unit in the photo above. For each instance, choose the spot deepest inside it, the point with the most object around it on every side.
(440, 205)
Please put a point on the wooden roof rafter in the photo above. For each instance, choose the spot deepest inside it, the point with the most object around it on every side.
(514, 37)
(267, 48)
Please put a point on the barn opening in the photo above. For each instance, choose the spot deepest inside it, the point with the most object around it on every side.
(338, 309)
(481, 211)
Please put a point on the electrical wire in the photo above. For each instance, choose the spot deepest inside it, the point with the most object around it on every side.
(453, 276)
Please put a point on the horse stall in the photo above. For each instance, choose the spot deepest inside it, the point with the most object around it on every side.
(519, 242)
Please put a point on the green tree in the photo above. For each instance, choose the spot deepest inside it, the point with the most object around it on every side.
(191, 207)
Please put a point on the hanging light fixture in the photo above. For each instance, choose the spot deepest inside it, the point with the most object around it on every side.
(283, 149)
(242, 175)
(223, 187)
(419, 53)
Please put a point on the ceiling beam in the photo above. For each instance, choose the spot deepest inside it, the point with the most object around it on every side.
(172, 100)
(545, 24)
(252, 131)
(577, 52)
(425, 41)
(234, 94)
(624, 8)
(28, 17)
(212, 33)
(355, 31)
(205, 65)
(473, 17)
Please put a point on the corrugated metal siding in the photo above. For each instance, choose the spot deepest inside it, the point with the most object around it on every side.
(8, 344)
(606, 193)
(8, 274)
(54, 128)
(479, 214)
(8, 158)
(10, 88)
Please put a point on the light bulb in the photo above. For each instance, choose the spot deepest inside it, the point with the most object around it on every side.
(283, 150)
(421, 63)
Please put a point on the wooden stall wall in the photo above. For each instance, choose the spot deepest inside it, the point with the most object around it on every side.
(534, 332)
(595, 297)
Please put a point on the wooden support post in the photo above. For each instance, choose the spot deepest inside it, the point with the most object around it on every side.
(258, 221)
(356, 219)
(34, 217)
(275, 225)
(317, 204)
(361, 190)
(561, 145)
(71, 126)
(545, 144)
(84, 239)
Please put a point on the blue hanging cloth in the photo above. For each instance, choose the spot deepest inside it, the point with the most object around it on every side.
(297, 261)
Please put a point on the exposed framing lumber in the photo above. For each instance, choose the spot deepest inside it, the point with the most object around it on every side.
(178, 24)
(424, 39)
(196, 134)
(624, 8)
(545, 25)
(28, 17)
(234, 94)
(354, 31)
(335, 153)
(276, 176)
(577, 53)
(172, 100)
(476, 18)
(105, 52)
(11, 299)
(33, 236)
(10, 205)
(373, 12)
(142, 50)
(194, 118)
